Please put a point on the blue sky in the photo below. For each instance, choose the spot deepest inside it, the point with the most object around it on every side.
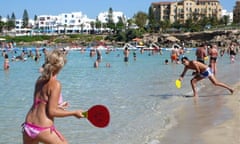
(89, 7)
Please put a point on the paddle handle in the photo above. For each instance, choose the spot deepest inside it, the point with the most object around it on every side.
(85, 114)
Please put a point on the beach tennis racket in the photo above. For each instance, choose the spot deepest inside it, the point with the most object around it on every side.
(178, 83)
(98, 115)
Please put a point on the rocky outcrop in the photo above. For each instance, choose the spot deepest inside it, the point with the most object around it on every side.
(194, 39)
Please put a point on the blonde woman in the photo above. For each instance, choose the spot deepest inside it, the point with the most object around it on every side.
(39, 121)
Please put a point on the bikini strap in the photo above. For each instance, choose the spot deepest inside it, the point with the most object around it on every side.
(38, 101)
(52, 128)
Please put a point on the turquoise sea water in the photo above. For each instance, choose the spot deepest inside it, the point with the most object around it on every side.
(141, 96)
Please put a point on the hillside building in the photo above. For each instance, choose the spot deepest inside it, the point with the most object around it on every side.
(185, 9)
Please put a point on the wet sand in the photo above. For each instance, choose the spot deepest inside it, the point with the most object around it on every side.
(213, 118)
(229, 131)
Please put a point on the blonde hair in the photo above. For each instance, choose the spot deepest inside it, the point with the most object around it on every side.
(54, 62)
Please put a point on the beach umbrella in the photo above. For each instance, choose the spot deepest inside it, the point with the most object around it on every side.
(136, 39)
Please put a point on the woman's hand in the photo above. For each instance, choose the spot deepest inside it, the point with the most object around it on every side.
(79, 114)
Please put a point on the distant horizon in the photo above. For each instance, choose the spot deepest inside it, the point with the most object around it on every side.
(91, 8)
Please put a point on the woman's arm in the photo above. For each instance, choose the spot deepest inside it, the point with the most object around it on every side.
(53, 109)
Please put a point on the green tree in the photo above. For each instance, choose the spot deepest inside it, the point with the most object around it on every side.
(224, 20)
(98, 24)
(120, 24)
(129, 22)
(35, 22)
(177, 25)
(110, 22)
(132, 33)
(164, 25)
(25, 19)
(11, 22)
(153, 26)
(141, 19)
(92, 23)
(214, 21)
(2, 24)
(8, 23)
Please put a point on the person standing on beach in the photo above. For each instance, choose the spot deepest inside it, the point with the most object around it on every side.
(213, 53)
(202, 71)
(39, 121)
(232, 52)
(201, 53)
(174, 54)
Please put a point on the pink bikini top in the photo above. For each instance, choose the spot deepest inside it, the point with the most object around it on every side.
(38, 101)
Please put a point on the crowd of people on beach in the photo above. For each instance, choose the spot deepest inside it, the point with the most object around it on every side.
(205, 52)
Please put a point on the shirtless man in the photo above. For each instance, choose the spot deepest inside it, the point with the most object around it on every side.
(202, 71)
(201, 53)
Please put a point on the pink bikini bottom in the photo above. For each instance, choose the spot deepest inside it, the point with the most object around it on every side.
(33, 130)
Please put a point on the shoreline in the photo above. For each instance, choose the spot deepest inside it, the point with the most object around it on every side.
(228, 131)
(213, 118)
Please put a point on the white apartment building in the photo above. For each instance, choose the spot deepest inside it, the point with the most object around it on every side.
(19, 30)
(75, 22)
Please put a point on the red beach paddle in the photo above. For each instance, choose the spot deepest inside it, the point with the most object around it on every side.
(98, 115)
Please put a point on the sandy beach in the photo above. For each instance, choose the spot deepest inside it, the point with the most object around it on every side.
(229, 131)
(213, 118)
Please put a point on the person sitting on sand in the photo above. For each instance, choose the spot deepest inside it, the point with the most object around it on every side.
(202, 71)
